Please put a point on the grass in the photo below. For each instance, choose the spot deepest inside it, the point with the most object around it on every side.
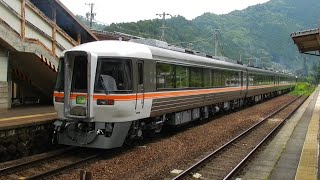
(303, 89)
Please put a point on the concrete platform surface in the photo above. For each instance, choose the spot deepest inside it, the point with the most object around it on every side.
(293, 153)
(26, 116)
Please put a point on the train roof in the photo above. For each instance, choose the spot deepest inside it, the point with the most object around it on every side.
(175, 57)
(115, 49)
(137, 50)
(127, 49)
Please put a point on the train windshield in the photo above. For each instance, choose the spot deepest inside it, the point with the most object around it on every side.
(79, 74)
(60, 77)
(113, 76)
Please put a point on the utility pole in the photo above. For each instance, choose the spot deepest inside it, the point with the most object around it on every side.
(319, 29)
(262, 62)
(249, 60)
(163, 27)
(90, 15)
(256, 59)
(215, 35)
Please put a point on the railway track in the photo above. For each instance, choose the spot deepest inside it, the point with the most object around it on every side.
(225, 161)
(50, 164)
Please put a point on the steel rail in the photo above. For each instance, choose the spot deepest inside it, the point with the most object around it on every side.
(206, 158)
(245, 159)
(15, 168)
(62, 168)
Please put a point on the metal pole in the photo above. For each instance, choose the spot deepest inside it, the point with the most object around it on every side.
(163, 27)
(91, 15)
(216, 41)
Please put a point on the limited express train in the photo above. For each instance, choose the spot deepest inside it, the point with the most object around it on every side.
(111, 92)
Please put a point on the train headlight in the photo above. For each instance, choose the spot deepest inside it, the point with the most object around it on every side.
(105, 102)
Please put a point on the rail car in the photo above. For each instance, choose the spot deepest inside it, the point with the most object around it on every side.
(109, 93)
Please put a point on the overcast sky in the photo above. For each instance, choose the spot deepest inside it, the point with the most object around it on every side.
(117, 11)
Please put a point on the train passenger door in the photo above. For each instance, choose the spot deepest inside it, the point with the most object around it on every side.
(244, 83)
(140, 87)
(241, 83)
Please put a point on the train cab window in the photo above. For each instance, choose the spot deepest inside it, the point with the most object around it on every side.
(113, 75)
(165, 76)
(195, 77)
(79, 76)
(182, 77)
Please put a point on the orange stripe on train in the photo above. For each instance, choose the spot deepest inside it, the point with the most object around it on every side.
(159, 95)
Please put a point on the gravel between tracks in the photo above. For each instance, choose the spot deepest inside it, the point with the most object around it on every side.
(155, 160)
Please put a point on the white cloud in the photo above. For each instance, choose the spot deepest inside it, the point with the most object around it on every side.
(130, 11)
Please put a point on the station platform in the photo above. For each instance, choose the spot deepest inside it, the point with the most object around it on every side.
(294, 151)
(26, 116)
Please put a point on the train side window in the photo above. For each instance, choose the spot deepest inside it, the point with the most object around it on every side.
(207, 78)
(165, 75)
(238, 78)
(217, 78)
(182, 76)
(140, 72)
(244, 78)
(227, 78)
(251, 79)
(231, 78)
(224, 78)
(195, 77)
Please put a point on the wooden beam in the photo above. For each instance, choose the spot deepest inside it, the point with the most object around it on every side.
(318, 38)
(54, 28)
(23, 19)
(79, 38)
(312, 54)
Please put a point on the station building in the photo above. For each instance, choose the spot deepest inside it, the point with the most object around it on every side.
(32, 36)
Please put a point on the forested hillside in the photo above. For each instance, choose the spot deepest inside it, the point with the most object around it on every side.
(261, 31)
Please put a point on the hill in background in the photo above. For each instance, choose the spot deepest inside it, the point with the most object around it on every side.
(259, 34)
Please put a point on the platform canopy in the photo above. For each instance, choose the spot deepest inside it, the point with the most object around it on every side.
(65, 19)
(308, 41)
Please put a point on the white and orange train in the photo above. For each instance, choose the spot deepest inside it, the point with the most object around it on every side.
(111, 92)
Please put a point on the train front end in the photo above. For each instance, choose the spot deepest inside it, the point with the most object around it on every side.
(84, 98)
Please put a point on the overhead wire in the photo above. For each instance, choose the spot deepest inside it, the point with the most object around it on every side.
(201, 39)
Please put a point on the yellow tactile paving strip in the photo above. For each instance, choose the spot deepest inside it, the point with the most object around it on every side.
(28, 116)
(308, 165)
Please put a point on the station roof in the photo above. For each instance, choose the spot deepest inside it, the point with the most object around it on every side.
(65, 19)
(307, 41)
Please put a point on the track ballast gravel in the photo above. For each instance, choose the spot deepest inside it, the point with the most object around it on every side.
(155, 159)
